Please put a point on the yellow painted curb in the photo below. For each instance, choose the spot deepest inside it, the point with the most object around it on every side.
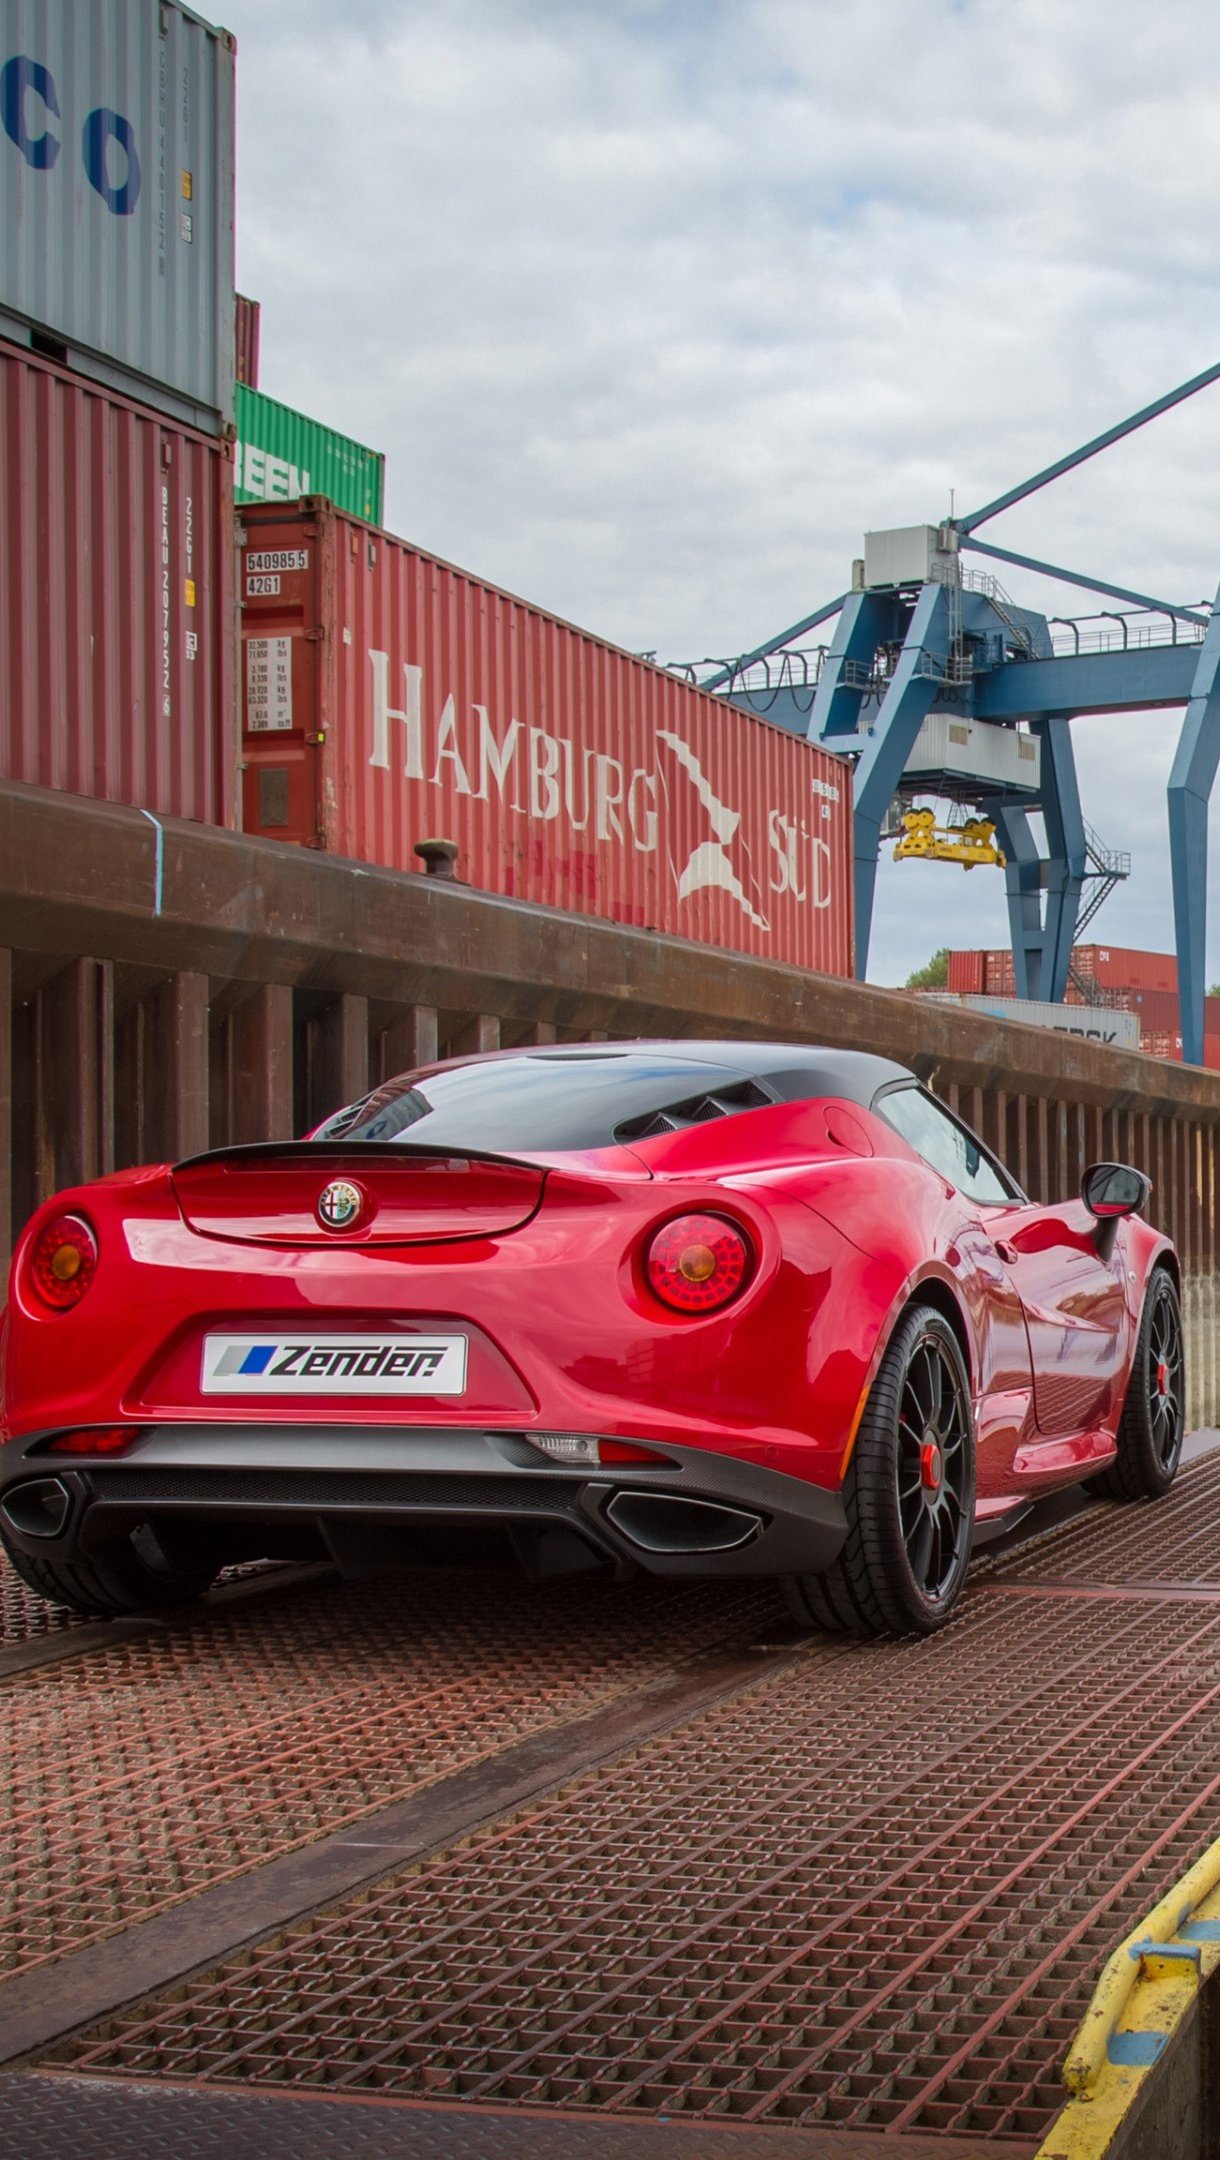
(1146, 1988)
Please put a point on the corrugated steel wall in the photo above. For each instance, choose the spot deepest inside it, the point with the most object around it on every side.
(391, 698)
(117, 617)
(282, 454)
(116, 167)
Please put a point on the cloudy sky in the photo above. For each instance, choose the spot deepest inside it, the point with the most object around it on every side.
(656, 305)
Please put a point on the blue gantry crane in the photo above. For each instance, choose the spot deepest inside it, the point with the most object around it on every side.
(936, 682)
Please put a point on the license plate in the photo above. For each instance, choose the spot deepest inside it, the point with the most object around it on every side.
(334, 1365)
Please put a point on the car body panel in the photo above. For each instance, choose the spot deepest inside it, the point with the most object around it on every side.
(537, 1258)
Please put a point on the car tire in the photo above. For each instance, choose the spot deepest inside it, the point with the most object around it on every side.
(1153, 1422)
(115, 1584)
(908, 1494)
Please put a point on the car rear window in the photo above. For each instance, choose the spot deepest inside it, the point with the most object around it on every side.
(532, 1102)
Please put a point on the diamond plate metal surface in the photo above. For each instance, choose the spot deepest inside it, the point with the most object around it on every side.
(137, 1775)
(68, 2118)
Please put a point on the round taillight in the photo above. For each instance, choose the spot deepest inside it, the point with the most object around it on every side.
(698, 1263)
(64, 1261)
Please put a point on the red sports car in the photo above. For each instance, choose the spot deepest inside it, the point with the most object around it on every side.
(693, 1307)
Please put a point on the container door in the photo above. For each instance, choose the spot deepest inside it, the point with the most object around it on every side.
(283, 658)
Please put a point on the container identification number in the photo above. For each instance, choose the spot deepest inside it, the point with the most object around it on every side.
(277, 559)
(261, 587)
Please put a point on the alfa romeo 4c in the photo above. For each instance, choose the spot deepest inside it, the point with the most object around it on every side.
(696, 1308)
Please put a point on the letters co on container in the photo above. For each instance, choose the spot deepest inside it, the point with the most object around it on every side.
(117, 615)
(116, 175)
(390, 698)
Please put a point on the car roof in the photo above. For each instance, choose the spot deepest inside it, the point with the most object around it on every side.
(794, 1070)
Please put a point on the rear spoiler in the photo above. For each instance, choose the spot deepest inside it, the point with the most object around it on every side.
(358, 1150)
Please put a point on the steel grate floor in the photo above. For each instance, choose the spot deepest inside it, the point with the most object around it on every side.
(25, 1617)
(141, 1773)
(871, 1893)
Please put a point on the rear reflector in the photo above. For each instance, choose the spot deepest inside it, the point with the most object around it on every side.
(95, 1440)
(585, 1448)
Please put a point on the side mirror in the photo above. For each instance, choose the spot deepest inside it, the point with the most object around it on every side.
(1110, 1191)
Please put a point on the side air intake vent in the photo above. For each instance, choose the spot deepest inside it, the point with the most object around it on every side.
(343, 1120)
(696, 1110)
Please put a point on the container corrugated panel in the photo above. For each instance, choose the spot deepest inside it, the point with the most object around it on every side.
(1092, 1023)
(116, 173)
(966, 972)
(282, 455)
(1121, 968)
(249, 319)
(117, 617)
(569, 772)
(1157, 1009)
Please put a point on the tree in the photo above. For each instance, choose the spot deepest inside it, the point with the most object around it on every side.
(934, 975)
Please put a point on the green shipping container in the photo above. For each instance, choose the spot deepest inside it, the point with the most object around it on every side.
(281, 455)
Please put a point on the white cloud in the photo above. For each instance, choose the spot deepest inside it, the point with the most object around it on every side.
(656, 305)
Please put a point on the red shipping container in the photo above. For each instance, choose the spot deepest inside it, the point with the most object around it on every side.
(117, 615)
(966, 973)
(1157, 1010)
(1117, 967)
(390, 698)
(999, 976)
(248, 320)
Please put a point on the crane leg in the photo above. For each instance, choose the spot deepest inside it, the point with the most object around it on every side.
(1023, 879)
(1067, 857)
(1189, 793)
(901, 714)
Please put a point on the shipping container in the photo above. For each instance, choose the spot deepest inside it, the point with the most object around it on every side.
(1156, 1009)
(1091, 1023)
(1119, 968)
(966, 976)
(281, 456)
(116, 173)
(1110, 973)
(390, 698)
(117, 606)
(249, 320)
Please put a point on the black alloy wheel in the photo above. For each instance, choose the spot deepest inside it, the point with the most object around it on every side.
(933, 1466)
(1153, 1422)
(909, 1493)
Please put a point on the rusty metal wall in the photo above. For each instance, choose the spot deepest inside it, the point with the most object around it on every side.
(117, 629)
(389, 698)
(237, 990)
(248, 326)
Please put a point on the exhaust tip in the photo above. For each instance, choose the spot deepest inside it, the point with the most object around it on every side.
(663, 1523)
(39, 1509)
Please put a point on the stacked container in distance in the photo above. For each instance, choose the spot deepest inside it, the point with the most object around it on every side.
(116, 389)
